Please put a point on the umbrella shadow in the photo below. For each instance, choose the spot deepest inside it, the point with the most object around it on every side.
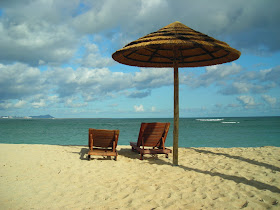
(84, 155)
(254, 162)
(152, 158)
(237, 179)
(127, 152)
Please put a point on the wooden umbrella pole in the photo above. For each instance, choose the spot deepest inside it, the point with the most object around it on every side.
(176, 111)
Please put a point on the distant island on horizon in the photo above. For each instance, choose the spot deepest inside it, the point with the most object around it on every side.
(42, 117)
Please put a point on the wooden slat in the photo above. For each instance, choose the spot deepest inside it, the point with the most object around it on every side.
(150, 150)
(102, 138)
(154, 132)
(154, 128)
(152, 135)
(103, 142)
(102, 152)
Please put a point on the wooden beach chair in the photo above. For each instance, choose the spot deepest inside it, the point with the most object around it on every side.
(103, 142)
(151, 139)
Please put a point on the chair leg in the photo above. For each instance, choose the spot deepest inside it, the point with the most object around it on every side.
(116, 158)
(88, 157)
(141, 156)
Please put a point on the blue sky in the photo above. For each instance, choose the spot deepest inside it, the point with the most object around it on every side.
(56, 59)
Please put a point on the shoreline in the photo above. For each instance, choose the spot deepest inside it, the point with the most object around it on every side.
(126, 145)
(59, 176)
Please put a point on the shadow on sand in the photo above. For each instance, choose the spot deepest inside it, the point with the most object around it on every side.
(126, 152)
(254, 183)
(254, 162)
(84, 155)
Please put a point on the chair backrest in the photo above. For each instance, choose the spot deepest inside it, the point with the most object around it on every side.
(153, 134)
(103, 138)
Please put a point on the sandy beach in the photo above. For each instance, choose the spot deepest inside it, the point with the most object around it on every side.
(60, 177)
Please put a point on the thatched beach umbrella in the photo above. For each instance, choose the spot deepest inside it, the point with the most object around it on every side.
(175, 45)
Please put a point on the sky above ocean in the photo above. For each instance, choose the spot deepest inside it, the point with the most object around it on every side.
(55, 59)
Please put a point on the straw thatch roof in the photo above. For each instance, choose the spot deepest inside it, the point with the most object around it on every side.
(193, 49)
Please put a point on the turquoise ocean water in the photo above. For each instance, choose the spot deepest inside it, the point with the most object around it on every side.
(193, 132)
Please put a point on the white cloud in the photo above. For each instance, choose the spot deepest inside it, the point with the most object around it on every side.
(222, 71)
(153, 109)
(53, 98)
(214, 75)
(11, 105)
(20, 104)
(83, 34)
(36, 31)
(139, 108)
(36, 42)
(53, 31)
(39, 104)
(253, 82)
(92, 83)
(153, 78)
(87, 82)
(103, 15)
(271, 75)
(270, 100)
(74, 88)
(244, 87)
(233, 79)
(5, 105)
(18, 81)
(152, 9)
(247, 101)
(92, 57)
(233, 20)
(67, 87)
(73, 102)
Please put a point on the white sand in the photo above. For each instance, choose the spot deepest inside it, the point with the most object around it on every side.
(60, 177)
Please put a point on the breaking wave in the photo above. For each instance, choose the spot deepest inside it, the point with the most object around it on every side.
(231, 122)
(210, 120)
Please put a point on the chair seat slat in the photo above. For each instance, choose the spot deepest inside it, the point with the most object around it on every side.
(104, 142)
(152, 135)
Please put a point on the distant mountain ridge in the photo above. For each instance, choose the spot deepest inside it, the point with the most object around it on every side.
(42, 117)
